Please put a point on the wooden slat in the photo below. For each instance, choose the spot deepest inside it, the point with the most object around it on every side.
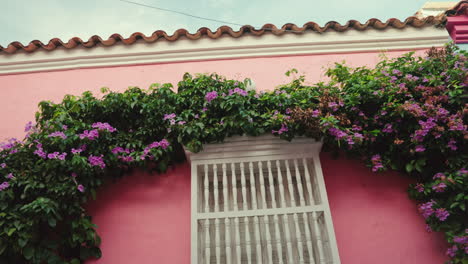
(258, 240)
(243, 188)
(206, 190)
(269, 245)
(253, 190)
(308, 182)
(215, 187)
(248, 240)
(299, 184)
(227, 226)
(238, 242)
(292, 197)
(272, 186)
(300, 245)
(263, 190)
(308, 237)
(217, 241)
(225, 189)
(280, 185)
(318, 238)
(234, 186)
(207, 242)
(279, 243)
(287, 232)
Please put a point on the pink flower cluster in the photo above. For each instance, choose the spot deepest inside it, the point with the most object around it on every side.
(337, 133)
(120, 150)
(40, 151)
(440, 187)
(210, 96)
(283, 129)
(170, 117)
(91, 135)
(238, 91)
(161, 144)
(79, 150)
(419, 187)
(58, 134)
(96, 161)
(4, 185)
(57, 155)
(103, 126)
(10, 144)
(376, 163)
(426, 209)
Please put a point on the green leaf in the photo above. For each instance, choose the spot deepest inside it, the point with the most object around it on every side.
(409, 167)
(28, 252)
(22, 242)
(52, 222)
(11, 231)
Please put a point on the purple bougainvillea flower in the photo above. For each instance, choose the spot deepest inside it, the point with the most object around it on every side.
(315, 113)
(452, 144)
(452, 251)
(442, 214)
(91, 135)
(428, 228)
(103, 126)
(53, 155)
(426, 209)
(80, 188)
(419, 148)
(97, 161)
(387, 128)
(74, 175)
(4, 185)
(439, 187)
(64, 127)
(169, 116)
(3, 165)
(438, 175)
(62, 156)
(460, 240)
(419, 187)
(75, 151)
(10, 176)
(164, 144)
(210, 96)
(28, 126)
(58, 134)
(283, 129)
(181, 123)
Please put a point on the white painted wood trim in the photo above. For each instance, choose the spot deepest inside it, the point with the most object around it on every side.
(226, 47)
(295, 223)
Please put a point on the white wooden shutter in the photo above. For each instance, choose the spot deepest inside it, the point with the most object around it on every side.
(260, 200)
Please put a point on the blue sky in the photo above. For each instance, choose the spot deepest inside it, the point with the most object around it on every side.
(28, 20)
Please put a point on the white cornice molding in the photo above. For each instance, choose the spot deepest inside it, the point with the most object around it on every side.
(238, 147)
(226, 47)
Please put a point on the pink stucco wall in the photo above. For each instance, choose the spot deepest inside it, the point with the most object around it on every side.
(145, 218)
(20, 93)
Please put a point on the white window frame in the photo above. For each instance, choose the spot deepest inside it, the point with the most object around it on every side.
(260, 226)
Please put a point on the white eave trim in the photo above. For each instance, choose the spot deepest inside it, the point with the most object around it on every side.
(226, 47)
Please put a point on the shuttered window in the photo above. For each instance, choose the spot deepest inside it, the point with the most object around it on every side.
(260, 200)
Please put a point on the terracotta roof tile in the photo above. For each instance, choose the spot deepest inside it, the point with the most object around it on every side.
(459, 9)
(223, 30)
